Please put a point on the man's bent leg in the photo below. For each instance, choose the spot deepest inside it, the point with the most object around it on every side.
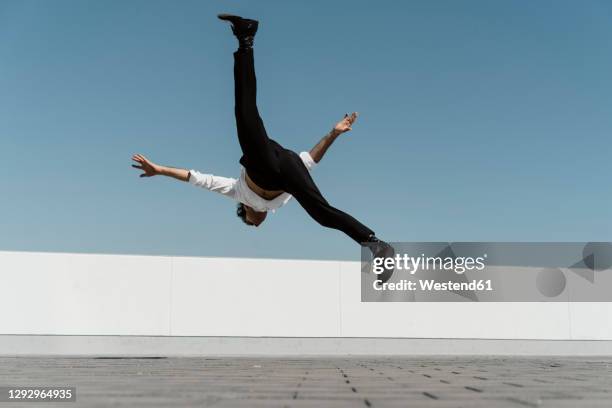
(300, 184)
(326, 215)
(318, 208)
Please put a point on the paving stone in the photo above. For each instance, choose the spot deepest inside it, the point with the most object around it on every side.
(492, 382)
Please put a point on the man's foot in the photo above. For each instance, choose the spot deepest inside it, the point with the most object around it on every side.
(243, 28)
(380, 249)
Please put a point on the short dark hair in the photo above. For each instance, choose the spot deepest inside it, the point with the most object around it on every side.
(241, 213)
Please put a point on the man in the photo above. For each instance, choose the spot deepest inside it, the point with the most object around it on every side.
(271, 174)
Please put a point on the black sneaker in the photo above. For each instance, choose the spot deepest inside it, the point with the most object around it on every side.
(243, 28)
(381, 249)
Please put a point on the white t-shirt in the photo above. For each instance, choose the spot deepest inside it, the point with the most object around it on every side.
(237, 189)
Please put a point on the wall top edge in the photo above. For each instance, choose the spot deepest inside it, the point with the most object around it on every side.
(162, 256)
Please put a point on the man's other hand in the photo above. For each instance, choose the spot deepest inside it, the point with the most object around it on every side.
(346, 123)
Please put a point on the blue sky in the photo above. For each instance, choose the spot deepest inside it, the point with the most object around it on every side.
(485, 121)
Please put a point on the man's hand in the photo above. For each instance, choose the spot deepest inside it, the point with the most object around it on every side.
(149, 168)
(346, 123)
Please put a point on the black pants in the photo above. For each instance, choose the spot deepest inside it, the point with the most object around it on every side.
(271, 166)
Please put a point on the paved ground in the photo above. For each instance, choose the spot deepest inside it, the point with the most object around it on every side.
(319, 382)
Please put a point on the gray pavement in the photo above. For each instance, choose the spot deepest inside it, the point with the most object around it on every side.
(318, 382)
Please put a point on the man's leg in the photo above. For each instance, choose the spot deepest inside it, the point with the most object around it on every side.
(321, 211)
(251, 131)
(300, 184)
(318, 208)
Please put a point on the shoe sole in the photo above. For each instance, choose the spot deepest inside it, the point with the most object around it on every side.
(228, 17)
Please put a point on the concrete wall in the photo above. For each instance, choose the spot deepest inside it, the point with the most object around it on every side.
(81, 294)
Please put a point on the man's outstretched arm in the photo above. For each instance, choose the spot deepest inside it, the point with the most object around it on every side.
(222, 185)
(343, 126)
(151, 169)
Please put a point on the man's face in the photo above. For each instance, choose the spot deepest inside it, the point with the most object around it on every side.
(254, 218)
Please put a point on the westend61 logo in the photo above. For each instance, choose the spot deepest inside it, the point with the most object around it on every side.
(488, 272)
(412, 264)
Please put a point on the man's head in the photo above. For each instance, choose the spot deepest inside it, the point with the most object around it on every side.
(249, 216)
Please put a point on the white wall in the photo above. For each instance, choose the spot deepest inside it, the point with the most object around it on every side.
(49, 293)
